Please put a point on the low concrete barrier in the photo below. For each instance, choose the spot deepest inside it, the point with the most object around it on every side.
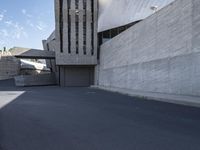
(35, 80)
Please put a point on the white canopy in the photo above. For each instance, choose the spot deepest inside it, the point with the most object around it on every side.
(115, 13)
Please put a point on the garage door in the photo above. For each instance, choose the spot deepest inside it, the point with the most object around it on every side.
(78, 76)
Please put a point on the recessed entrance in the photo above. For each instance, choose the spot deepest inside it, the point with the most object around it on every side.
(77, 76)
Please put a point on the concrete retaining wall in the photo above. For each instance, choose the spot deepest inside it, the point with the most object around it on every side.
(160, 54)
(35, 80)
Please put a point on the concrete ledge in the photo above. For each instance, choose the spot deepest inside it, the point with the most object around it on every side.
(32, 53)
(169, 98)
(35, 80)
(5, 77)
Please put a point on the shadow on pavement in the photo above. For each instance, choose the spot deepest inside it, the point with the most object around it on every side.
(54, 118)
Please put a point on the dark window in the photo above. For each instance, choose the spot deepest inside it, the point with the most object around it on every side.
(69, 27)
(61, 25)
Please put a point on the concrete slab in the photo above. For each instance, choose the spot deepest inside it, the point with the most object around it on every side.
(32, 53)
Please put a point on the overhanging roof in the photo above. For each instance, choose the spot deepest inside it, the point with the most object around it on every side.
(32, 53)
(115, 13)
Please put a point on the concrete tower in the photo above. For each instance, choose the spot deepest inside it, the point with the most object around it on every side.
(76, 41)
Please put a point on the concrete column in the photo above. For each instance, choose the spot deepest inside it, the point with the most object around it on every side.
(65, 26)
(81, 13)
(57, 23)
(88, 27)
(45, 47)
(73, 27)
(95, 22)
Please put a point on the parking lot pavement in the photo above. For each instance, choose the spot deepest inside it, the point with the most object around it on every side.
(54, 118)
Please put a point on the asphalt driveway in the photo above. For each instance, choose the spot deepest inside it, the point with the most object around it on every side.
(54, 118)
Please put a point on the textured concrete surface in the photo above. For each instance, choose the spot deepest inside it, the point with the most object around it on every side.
(53, 118)
(159, 54)
(35, 80)
(9, 67)
(50, 45)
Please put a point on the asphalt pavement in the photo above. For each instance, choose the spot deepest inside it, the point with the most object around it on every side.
(55, 118)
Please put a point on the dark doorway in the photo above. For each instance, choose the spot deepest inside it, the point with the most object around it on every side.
(77, 76)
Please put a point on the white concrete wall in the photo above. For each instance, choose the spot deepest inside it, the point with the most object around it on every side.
(159, 54)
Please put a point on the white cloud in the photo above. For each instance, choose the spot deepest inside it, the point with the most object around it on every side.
(1, 17)
(8, 23)
(2, 43)
(29, 23)
(41, 26)
(24, 11)
(3, 11)
(2, 14)
(4, 32)
(28, 15)
(16, 31)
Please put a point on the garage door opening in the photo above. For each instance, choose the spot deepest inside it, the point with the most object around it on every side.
(76, 76)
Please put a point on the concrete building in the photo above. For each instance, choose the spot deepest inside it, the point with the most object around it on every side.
(75, 41)
(159, 54)
(9, 66)
(75, 37)
(27, 66)
(144, 45)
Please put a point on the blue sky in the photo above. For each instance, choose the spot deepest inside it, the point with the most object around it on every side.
(24, 23)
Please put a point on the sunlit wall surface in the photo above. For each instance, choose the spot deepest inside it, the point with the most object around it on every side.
(115, 13)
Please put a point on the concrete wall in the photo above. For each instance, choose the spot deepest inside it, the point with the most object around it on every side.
(50, 46)
(35, 80)
(9, 67)
(159, 54)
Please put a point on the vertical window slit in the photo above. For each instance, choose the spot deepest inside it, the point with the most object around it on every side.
(69, 27)
(77, 26)
(92, 28)
(61, 25)
(84, 26)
